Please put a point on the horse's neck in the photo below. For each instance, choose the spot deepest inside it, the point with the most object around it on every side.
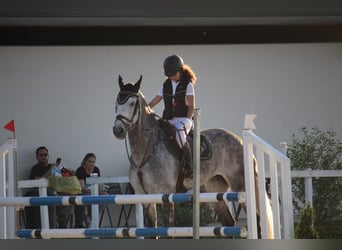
(144, 134)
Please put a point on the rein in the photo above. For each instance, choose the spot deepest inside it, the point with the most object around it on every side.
(145, 158)
(127, 121)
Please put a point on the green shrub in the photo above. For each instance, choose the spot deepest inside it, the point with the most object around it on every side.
(305, 228)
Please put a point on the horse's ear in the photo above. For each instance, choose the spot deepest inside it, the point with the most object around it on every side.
(138, 83)
(121, 84)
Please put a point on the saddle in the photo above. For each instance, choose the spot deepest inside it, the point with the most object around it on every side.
(168, 134)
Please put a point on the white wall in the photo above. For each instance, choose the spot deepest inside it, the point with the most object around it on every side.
(64, 97)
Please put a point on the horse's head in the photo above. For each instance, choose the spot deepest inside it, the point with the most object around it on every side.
(127, 108)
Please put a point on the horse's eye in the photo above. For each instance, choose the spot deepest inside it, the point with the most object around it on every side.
(132, 104)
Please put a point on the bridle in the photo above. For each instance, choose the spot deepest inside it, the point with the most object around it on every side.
(125, 120)
(122, 98)
(128, 125)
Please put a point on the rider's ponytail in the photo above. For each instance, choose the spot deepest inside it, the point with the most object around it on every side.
(188, 75)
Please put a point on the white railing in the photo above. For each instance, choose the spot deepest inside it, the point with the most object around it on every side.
(308, 174)
(281, 199)
(8, 188)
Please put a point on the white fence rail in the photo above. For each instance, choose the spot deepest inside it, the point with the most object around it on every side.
(308, 174)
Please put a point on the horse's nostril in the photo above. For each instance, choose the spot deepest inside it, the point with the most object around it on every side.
(119, 132)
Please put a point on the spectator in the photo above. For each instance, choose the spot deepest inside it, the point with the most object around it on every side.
(42, 169)
(85, 170)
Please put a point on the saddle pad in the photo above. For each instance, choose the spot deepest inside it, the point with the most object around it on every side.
(205, 150)
(168, 134)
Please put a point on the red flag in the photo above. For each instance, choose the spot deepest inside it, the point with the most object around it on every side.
(10, 126)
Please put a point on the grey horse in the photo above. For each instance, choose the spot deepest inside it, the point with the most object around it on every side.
(153, 169)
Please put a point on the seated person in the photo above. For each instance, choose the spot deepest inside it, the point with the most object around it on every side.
(64, 213)
(42, 169)
(85, 170)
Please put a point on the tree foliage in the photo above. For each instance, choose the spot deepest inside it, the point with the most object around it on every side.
(318, 150)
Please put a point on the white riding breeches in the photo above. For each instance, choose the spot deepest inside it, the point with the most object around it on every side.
(183, 126)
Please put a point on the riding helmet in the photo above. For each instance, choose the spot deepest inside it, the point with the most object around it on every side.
(172, 65)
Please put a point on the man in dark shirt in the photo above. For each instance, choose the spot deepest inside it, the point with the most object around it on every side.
(40, 170)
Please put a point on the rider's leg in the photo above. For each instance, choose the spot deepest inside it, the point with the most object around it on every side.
(183, 127)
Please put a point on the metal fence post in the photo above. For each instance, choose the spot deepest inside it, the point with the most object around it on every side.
(196, 168)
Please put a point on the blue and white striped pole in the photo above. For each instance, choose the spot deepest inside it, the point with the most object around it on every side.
(131, 232)
(120, 199)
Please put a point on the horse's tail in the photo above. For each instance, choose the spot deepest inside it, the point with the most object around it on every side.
(269, 212)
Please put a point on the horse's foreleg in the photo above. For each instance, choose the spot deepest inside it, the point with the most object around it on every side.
(224, 215)
(169, 214)
(150, 215)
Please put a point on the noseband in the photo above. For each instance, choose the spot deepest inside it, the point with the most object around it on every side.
(122, 98)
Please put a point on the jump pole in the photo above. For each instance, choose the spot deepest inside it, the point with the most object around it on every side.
(130, 232)
(120, 199)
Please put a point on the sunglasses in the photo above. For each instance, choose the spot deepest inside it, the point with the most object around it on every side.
(40, 155)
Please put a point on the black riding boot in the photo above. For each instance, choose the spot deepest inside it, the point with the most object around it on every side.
(187, 161)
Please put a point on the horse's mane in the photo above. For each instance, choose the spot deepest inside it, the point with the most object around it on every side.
(149, 111)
